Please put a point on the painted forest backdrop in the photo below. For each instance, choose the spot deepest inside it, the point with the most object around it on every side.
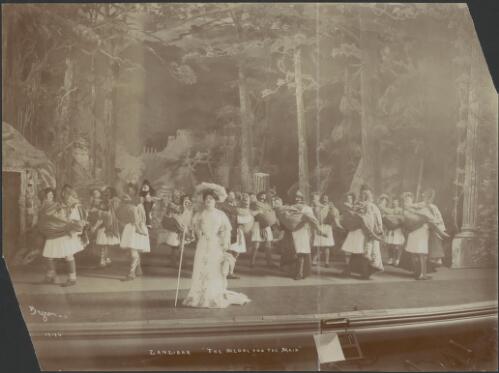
(319, 96)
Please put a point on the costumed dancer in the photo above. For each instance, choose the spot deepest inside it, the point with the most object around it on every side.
(437, 229)
(354, 241)
(261, 232)
(239, 216)
(364, 243)
(61, 226)
(322, 243)
(171, 234)
(107, 227)
(383, 204)
(93, 214)
(135, 236)
(394, 236)
(302, 236)
(418, 234)
(211, 260)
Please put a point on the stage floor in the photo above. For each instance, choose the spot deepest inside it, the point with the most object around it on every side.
(100, 296)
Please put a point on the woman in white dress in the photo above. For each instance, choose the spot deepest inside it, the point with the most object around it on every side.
(322, 243)
(61, 225)
(209, 281)
(135, 236)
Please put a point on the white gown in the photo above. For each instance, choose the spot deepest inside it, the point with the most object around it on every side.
(209, 285)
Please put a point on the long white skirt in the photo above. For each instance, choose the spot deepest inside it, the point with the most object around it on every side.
(62, 247)
(354, 243)
(258, 235)
(130, 239)
(105, 240)
(301, 240)
(168, 237)
(417, 240)
(209, 285)
(395, 237)
(324, 241)
(240, 245)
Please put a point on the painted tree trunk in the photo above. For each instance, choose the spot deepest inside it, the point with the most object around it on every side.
(110, 123)
(63, 124)
(370, 164)
(245, 132)
(94, 138)
(420, 179)
(303, 171)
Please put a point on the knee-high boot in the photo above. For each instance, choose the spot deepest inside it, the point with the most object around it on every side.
(423, 259)
(268, 254)
(254, 254)
(365, 269)
(51, 275)
(299, 270)
(134, 262)
(138, 269)
(327, 254)
(72, 273)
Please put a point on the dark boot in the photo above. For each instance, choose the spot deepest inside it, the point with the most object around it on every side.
(328, 253)
(365, 269)
(299, 269)
(51, 275)
(72, 274)
(348, 267)
(268, 255)
(423, 261)
(254, 254)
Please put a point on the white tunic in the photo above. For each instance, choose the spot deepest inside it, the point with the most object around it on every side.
(106, 240)
(131, 238)
(64, 246)
(261, 235)
(354, 243)
(240, 245)
(324, 241)
(417, 240)
(395, 237)
(302, 236)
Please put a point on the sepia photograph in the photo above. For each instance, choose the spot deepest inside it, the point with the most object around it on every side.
(250, 186)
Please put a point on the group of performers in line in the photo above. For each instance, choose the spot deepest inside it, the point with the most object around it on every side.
(301, 233)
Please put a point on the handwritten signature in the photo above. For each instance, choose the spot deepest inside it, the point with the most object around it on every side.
(45, 315)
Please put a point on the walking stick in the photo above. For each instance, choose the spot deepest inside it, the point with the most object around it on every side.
(180, 264)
